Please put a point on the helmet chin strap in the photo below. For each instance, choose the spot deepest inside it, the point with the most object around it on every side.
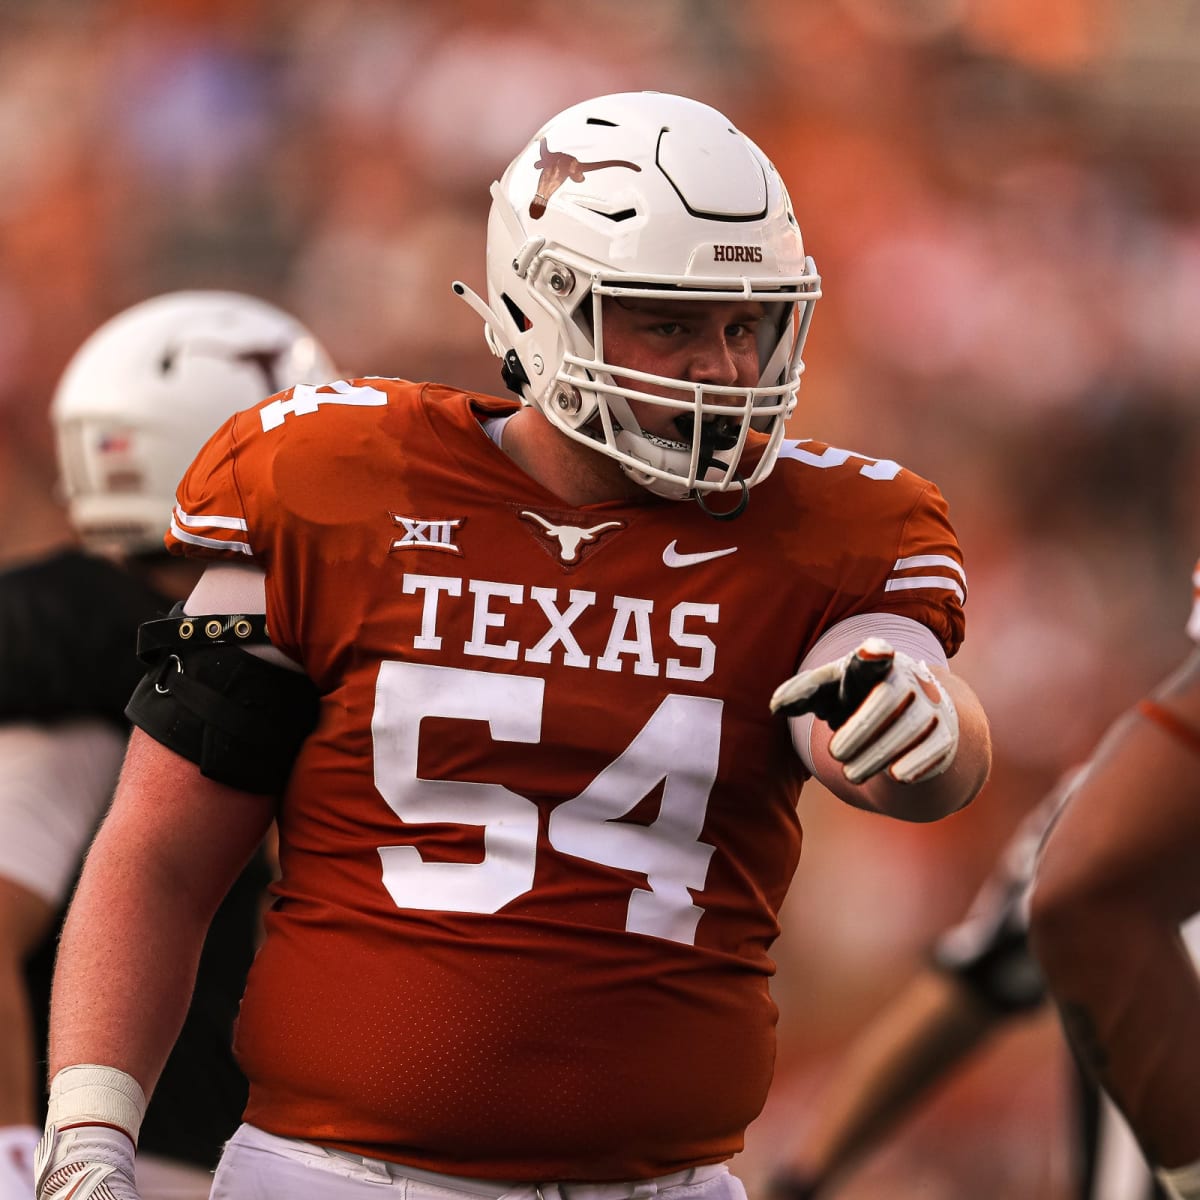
(715, 436)
(737, 509)
(660, 456)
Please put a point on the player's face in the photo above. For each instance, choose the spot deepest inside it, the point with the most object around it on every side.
(698, 341)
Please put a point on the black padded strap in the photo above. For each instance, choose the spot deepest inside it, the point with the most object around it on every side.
(187, 631)
(240, 718)
(212, 707)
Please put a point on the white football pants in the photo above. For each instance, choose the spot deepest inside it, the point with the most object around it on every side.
(259, 1166)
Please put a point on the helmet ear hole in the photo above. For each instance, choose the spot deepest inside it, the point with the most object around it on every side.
(520, 320)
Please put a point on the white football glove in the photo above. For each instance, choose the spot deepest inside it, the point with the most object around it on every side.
(92, 1123)
(889, 710)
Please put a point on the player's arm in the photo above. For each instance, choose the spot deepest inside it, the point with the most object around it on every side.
(1119, 874)
(169, 849)
(910, 1045)
(885, 725)
(217, 730)
(163, 859)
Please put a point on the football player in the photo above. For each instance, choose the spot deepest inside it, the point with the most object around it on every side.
(131, 410)
(1119, 874)
(981, 977)
(574, 656)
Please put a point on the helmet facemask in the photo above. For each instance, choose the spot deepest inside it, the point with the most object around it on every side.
(740, 428)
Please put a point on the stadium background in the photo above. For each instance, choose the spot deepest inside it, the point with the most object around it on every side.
(1003, 197)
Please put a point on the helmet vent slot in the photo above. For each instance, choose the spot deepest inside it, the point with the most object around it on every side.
(622, 214)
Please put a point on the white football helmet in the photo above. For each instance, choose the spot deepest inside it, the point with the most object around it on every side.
(648, 195)
(147, 390)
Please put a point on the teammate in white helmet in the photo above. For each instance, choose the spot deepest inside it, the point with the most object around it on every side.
(534, 844)
(132, 408)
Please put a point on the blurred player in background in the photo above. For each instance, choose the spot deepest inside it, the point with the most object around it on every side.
(1118, 877)
(980, 977)
(132, 408)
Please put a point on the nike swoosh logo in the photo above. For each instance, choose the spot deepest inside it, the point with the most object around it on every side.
(673, 558)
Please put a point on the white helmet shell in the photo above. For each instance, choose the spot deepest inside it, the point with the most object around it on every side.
(651, 195)
(146, 391)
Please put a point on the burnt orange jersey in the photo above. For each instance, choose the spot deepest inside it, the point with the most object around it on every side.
(534, 851)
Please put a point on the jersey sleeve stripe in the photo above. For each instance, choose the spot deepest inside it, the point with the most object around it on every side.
(185, 518)
(216, 543)
(931, 560)
(180, 518)
(913, 582)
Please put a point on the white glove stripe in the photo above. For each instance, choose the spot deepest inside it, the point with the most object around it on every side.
(886, 702)
(907, 732)
(917, 770)
(928, 758)
(900, 726)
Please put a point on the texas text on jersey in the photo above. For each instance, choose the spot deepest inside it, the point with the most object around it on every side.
(461, 972)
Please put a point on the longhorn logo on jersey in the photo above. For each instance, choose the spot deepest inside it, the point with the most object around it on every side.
(570, 538)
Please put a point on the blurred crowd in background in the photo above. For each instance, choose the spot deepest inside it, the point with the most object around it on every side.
(1003, 198)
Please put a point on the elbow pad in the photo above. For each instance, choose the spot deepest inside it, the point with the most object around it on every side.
(240, 719)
